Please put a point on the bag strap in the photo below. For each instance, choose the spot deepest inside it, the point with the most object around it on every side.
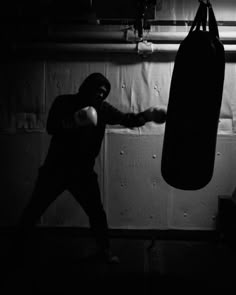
(201, 19)
(213, 27)
(204, 18)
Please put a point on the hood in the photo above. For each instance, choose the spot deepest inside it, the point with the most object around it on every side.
(92, 83)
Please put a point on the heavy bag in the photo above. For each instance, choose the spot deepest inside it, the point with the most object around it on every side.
(193, 109)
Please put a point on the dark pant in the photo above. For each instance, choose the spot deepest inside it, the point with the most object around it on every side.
(84, 187)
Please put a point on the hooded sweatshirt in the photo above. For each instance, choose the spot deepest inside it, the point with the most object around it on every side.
(75, 149)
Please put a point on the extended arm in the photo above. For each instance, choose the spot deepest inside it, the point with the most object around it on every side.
(113, 116)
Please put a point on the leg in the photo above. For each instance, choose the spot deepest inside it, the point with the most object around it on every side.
(86, 191)
(47, 187)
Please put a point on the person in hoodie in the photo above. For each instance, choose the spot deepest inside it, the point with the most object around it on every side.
(77, 125)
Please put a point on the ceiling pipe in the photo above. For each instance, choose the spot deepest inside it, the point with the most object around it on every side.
(91, 36)
(177, 37)
(129, 36)
(141, 48)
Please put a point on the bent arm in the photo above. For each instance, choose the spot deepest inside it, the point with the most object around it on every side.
(60, 118)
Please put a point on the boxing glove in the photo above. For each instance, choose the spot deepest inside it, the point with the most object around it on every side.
(157, 115)
(86, 117)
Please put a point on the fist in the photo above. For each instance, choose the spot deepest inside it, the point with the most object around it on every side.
(86, 117)
(157, 115)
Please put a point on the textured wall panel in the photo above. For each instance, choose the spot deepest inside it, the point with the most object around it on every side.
(198, 209)
(136, 196)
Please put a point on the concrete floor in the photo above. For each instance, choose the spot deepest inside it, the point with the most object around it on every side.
(65, 264)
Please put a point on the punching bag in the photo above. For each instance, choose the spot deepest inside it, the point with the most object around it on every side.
(193, 109)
